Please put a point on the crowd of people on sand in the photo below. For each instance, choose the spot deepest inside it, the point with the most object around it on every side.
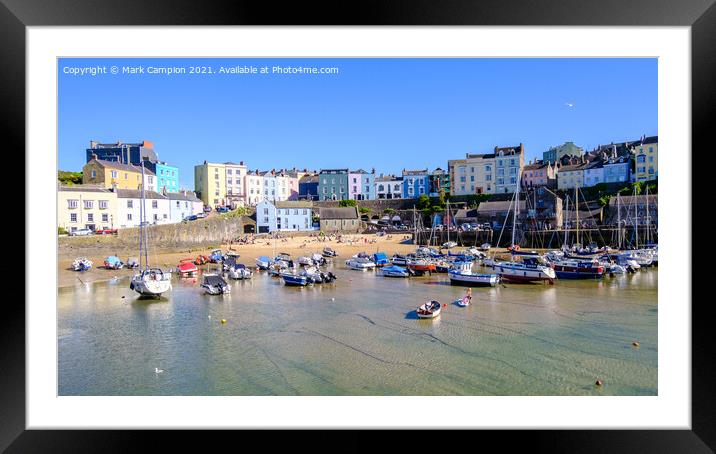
(318, 237)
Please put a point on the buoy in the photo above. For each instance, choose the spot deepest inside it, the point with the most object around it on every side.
(635, 344)
(223, 320)
(599, 383)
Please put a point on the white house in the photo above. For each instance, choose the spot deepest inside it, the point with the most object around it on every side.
(254, 187)
(129, 203)
(594, 173)
(284, 216)
(183, 204)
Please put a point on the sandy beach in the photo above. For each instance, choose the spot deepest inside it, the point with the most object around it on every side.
(348, 246)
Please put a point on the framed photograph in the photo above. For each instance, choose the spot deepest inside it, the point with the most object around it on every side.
(443, 218)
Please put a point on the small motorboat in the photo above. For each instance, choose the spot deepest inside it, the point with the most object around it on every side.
(399, 259)
(394, 271)
(429, 310)
(113, 263)
(578, 269)
(442, 266)
(232, 254)
(216, 256)
(485, 247)
(318, 259)
(215, 285)
(81, 264)
(151, 282)
(463, 302)
(313, 274)
(201, 260)
(263, 262)
(380, 259)
(360, 263)
(305, 261)
(470, 279)
(421, 266)
(277, 268)
(295, 280)
(239, 271)
(187, 267)
(449, 244)
(132, 263)
(328, 252)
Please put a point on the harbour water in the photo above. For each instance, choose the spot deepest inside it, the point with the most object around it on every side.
(361, 336)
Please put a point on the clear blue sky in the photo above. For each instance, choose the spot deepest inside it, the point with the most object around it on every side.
(384, 113)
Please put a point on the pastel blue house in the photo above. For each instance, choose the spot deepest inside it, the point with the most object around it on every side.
(415, 183)
(617, 169)
(333, 184)
(167, 176)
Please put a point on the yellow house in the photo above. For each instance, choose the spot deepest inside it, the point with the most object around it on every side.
(210, 183)
(472, 175)
(110, 173)
(82, 206)
(646, 155)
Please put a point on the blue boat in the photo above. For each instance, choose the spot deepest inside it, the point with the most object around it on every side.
(113, 262)
(295, 280)
(216, 256)
(394, 271)
(263, 262)
(381, 259)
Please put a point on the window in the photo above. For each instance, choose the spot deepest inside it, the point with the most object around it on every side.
(73, 217)
(228, 171)
(155, 204)
(126, 176)
(380, 187)
(177, 204)
(488, 177)
(90, 217)
(266, 211)
(102, 204)
(156, 217)
(94, 174)
(113, 173)
(105, 217)
(89, 204)
(72, 203)
(472, 177)
(129, 216)
(130, 204)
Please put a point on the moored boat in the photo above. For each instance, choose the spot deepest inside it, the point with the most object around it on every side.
(113, 262)
(214, 284)
(187, 267)
(530, 269)
(429, 310)
(380, 259)
(328, 252)
(394, 271)
(81, 264)
(578, 269)
(360, 263)
(239, 271)
(216, 256)
(263, 262)
(295, 280)
(470, 279)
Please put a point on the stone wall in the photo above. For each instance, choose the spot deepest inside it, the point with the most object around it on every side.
(169, 237)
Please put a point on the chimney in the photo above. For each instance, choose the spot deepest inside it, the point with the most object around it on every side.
(241, 163)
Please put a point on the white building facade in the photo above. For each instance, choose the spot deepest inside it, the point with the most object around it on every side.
(129, 204)
(284, 216)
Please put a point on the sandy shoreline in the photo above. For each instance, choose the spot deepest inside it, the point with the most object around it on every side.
(352, 244)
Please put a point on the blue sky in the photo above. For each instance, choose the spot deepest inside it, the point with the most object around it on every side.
(384, 113)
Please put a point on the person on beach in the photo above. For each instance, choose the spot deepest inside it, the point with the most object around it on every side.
(469, 295)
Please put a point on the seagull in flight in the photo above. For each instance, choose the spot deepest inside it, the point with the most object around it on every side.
(569, 104)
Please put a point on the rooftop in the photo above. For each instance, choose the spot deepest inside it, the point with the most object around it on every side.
(120, 166)
(339, 213)
(137, 194)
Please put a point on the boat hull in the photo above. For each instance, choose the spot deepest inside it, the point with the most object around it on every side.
(474, 281)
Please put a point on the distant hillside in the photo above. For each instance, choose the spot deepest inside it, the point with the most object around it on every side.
(69, 177)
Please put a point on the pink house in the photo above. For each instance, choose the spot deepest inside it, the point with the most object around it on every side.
(538, 173)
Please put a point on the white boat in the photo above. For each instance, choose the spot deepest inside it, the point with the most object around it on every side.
(215, 285)
(263, 262)
(449, 244)
(360, 263)
(399, 259)
(328, 252)
(81, 264)
(429, 310)
(529, 270)
(485, 247)
(239, 271)
(463, 302)
(304, 260)
(150, 281)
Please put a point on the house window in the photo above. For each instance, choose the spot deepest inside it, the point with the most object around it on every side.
(72, 203)
(73, 217)
(105, 217)
(155, 204)
(90, 217)
(130, 204)
(102, 204)
(113, 173)
(89, 204)
(94, 174)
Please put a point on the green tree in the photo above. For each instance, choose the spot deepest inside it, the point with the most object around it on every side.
(423, 202)
(364, 210)
(69, 178)
(347, 203)
(389, 211)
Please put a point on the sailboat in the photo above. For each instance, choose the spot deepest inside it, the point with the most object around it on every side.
(530, 269)
(149, 281)
(448, 244)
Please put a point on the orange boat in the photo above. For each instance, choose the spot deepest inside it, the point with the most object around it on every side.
(187, 267)
(421, 266)
(201, 259)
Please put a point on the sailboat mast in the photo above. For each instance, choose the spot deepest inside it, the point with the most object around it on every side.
(576, 202)
(448, 221)
(143, 220)
(648, 227)
(514, 215)
(636, 221)
(619, 223)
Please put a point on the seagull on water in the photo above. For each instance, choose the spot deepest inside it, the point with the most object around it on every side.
(158, 370)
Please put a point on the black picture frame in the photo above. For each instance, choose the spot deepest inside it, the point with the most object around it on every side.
(700, 15)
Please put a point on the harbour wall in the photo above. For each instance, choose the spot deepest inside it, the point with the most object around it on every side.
(543, 239)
